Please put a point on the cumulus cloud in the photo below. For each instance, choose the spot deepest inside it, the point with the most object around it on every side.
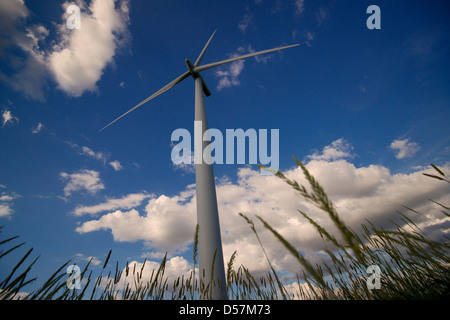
(83, 180)
(31, 78)
(369, 192)
(404, 148)
(6, 203)
(127, 202)
(166, 225)
(10, 12)
(28, 71)
(5, 210)
(338, 149)
(76, 59)
(8, 118)
(116, 165)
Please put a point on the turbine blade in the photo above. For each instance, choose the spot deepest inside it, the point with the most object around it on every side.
(157, 93)
(216, 64)
(206, 90)
(199, 59)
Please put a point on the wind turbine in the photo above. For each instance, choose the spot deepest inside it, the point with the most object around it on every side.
(210, 254)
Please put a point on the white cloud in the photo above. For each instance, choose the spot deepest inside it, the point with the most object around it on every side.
(5, 203)
(97, 155)
(187, 166)
(264, 58)
(78, 61)
(32, 77)
(38, 128)
(88, 180)
(167, 224)
(116, 165)
(293, 290)
(29, 69)
(77, 58)
(404, 148)
(127, 202)
(10, 12)
(229, 76)
(90, 153)
(5, 210)
(8, 118)
(338, 149)
(9, 197)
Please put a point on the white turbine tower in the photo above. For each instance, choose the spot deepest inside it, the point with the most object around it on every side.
(210, 256)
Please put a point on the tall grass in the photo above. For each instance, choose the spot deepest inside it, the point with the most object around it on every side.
(412, 265)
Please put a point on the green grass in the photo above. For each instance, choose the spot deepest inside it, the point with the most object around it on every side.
(413, 266)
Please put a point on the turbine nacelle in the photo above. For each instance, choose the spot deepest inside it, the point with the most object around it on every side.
(191, 68)
(195, 75)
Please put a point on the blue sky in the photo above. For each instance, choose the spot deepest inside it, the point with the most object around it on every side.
(367, 110)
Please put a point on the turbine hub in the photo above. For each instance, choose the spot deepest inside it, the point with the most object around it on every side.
(191, 67)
